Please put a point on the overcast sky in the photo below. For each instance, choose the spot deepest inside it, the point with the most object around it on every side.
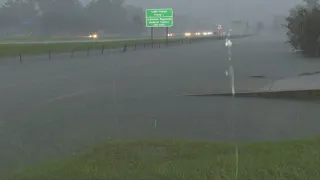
(241, 9)
(251, 10)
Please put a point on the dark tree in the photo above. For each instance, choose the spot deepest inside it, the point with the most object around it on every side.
(304, 30)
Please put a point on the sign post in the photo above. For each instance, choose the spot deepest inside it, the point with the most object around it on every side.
(151, 36)
(159, 18)
(167, 35)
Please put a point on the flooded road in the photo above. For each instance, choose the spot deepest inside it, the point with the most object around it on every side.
(55, 108)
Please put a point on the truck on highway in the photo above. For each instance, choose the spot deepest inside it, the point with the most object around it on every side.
(239, 27)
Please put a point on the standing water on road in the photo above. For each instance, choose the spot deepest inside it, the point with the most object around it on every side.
(162, 112)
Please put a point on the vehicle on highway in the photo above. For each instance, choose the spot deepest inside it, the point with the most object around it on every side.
(121, 92)
(93, 36)
(219, 31)
(188, 34)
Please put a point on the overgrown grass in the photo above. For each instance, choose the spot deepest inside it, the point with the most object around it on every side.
(184, 160)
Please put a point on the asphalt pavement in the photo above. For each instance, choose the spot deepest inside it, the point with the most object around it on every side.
(56, 108)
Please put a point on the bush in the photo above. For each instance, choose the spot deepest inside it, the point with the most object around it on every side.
(303, 33)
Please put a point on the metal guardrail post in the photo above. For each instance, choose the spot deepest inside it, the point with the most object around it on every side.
(102, 49)
(20, 57)
(49, 55)
(124, 48)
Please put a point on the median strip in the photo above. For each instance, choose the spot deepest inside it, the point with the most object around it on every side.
(7, 50)
(21, 49)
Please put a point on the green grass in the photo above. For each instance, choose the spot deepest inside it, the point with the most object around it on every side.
(50, 38)
(7, 50)
(38, 38)
(185, 160)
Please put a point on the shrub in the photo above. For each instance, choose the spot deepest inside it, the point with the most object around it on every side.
(303, 33)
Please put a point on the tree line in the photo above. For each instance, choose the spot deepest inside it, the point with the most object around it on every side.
(52, 17)
(303, 25)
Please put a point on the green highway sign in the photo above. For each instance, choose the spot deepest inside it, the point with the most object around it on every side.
(159, 17)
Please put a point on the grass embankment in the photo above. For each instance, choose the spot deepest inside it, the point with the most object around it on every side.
(182, 160)
(39, 38)
(7, 50)
(51, 38)
(16, 49)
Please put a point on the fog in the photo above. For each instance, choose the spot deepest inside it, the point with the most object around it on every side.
(247, 9)
(251, 10)
(114, 17)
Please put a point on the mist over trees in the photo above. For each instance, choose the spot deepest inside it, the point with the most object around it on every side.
(61, 17)
(71, 17)
(303, 26)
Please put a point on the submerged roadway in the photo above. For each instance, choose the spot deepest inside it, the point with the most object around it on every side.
(54, 108)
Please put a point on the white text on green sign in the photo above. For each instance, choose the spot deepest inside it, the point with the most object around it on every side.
(159, 17)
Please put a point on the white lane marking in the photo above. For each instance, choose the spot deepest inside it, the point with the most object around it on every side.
(66, 96)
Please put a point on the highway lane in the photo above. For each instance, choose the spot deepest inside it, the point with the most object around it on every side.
(54, 108)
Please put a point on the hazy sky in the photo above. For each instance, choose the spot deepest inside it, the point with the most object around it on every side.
(251, 10)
